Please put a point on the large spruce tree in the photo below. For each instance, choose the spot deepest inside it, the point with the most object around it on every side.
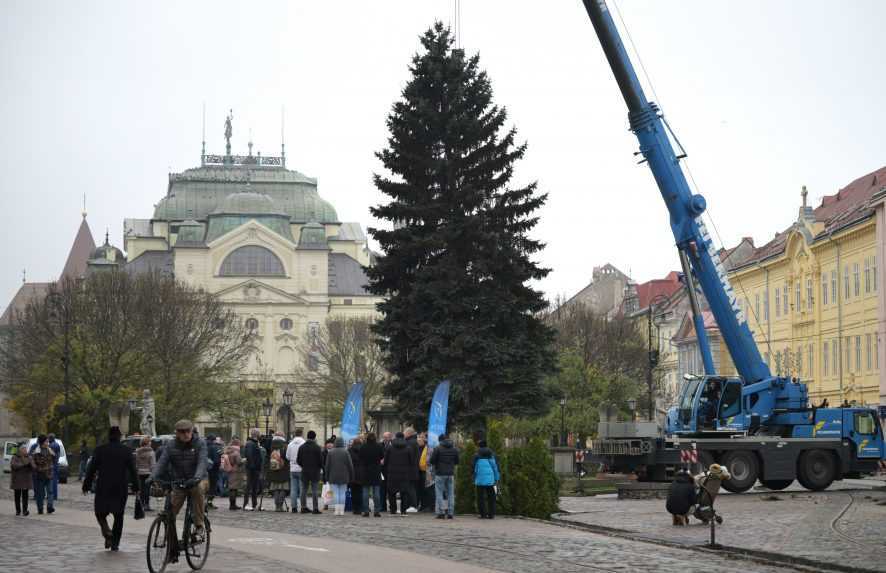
(456, 266)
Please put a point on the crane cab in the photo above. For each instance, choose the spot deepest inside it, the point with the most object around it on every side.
(706, 404)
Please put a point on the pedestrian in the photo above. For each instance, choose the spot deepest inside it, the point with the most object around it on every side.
(144, 465)
(444, 459)
(399, 461)
(56, 448)
(84, 460)
(413, 486)
(387, 439)
(681, 498)
(370, 459)
(310, 459)
(486, 476)
(114, 465)
(278, 471)
(356, 486)
(222, 489)
(330, 443)
(254, 463)
(339, 472)
(295, 470)
(21, 479)
(213, 468)
(233, 467)
(42, 456)
(420, 485)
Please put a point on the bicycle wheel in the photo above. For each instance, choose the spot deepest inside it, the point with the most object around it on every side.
(158, 545)
(196, 552)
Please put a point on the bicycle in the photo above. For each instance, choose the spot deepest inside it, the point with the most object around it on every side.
(165, 547)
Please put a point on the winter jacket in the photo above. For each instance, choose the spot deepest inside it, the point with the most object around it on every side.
(42, 458)
(485, 468)
(412, 444)
(144, 460)
(21, 472)
(339, 467)
(281, 474)
(237, 477)
(444, 459)
(399, 463)
(253, 456)
(292, 454)
(182, 461)
(370, 459)
(354, 452)
(681, 495)
(114, 464)
(214, 451)
(310, 458)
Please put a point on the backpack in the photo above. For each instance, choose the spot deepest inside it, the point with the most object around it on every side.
(226, 464)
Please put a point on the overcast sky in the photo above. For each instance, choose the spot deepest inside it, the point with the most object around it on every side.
(105, 98)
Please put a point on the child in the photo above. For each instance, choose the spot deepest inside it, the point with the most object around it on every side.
(681, 498)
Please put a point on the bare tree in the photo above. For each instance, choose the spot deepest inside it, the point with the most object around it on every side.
(337, 355)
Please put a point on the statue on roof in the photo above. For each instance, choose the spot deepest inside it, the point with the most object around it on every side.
(228, 131)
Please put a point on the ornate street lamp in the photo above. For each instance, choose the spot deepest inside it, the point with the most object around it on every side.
(268, 408)
(632, 406)
(562, 422)
(287, 401)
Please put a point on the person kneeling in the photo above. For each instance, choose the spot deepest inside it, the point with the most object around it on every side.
(681, 498)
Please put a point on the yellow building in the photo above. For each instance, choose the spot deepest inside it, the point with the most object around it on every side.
(813, 299)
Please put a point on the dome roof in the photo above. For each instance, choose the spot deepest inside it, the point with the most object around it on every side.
(248, 203)
(313, 236)
(106, 254)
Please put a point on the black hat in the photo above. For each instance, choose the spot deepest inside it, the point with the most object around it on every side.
(114, 432)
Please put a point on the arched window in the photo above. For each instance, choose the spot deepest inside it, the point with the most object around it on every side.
(251, 324)
(286, 324)
(252, 261)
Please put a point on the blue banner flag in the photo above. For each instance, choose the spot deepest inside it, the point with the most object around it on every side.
(439, 411)
(350, 416)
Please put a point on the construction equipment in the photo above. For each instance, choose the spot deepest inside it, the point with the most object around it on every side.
(758, 425)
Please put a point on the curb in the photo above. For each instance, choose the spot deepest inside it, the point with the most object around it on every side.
(739, 553)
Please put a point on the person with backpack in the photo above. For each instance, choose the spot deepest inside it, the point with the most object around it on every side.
(486, 476)
(232, 466)
(294, 469)
(278, 471)
(43, 456)
(681, 498)
(254, 463)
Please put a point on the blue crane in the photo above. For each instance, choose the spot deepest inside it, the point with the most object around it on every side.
(756, 403)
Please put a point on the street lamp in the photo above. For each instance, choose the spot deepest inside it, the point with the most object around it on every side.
(632, 406)
(287, 401)
(562, 422)
(58, 301)
(268, 407)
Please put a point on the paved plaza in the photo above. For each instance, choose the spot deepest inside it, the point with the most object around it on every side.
(268, 541)
(843, 526)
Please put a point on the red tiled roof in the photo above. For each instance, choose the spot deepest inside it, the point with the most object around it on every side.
(849, 205)
(657, 287)
(84, 244)
(687, 328)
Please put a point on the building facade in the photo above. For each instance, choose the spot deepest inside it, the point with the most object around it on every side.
(259, 237)
(813, 295)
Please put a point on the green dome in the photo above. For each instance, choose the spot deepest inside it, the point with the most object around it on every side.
(313, 236)
(248, 203)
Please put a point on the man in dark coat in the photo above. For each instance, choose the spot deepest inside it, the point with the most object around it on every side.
(254, 462)
(399, 463)
(115, 466)
(369, 458)
(415, 485)
(444, 459)
(310, 458)
(213, 450)
(681, 498)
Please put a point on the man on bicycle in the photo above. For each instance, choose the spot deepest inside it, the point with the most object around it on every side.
(184, 460)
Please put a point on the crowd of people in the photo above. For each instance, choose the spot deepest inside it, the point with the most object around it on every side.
(370, 475)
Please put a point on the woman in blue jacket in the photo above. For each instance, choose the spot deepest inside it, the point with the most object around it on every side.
(485, 477)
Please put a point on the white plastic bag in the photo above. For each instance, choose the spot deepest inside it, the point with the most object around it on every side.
(326, 493)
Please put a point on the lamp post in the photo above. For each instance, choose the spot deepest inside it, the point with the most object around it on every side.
(632, 406)
(287, 401)
(653, 353)
(58, 301)
(562, 422)
(268, 406)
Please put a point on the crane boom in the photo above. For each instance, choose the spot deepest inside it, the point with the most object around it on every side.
(685, 208)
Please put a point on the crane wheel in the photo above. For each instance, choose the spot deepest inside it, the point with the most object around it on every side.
(776, 484)
(816, 469)
(744, 469)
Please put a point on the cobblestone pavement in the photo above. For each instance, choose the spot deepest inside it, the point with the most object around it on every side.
(836, 526)
(511, 545)
(37, 544)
